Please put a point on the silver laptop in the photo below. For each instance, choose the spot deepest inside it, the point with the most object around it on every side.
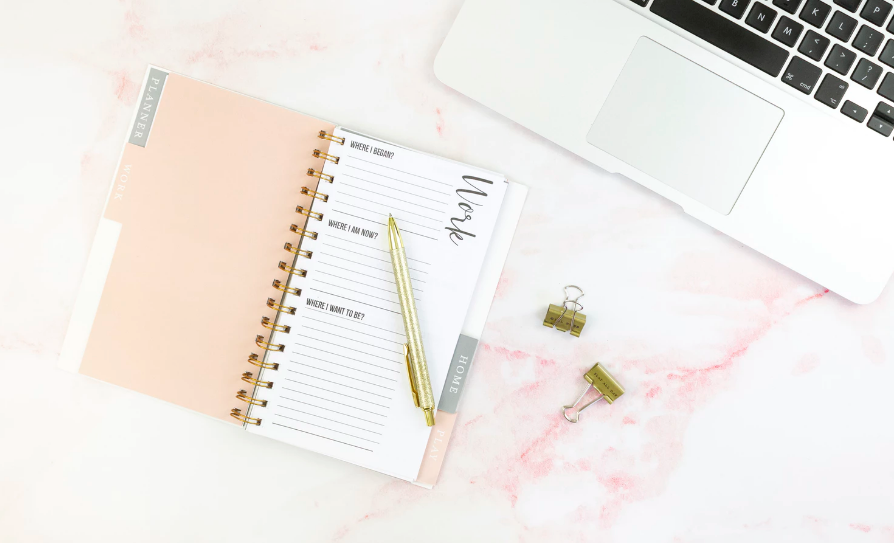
(769, 120)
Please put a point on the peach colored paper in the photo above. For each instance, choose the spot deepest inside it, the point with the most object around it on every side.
(205, 210)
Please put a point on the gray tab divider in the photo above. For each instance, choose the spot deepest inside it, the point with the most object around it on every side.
(149, 98)
(460, 365)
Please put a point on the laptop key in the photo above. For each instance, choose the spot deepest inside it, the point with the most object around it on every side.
(876, 11)
(788, 31)
(840, 59)
(885, 111)
(734, 8)
(854, 111)
(831, 91)
(850, 5)
(887, 88)
(881, 126)
(801, 75)
(887, 55)
(815, 12)
(867, 73)
(868, 40)
(640, 2)
(722, 33)
(814, 45)
(761, 17)
(842, 26)
(790, 6)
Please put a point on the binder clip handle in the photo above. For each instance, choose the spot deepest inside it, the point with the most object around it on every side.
(568, 297)
(581, 410)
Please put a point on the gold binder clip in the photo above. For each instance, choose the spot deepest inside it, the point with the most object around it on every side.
(599, 378)
(558, 317)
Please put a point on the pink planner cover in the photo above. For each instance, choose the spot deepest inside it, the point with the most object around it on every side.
(189, 242)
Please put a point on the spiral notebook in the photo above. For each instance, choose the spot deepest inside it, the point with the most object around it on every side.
(241, 270)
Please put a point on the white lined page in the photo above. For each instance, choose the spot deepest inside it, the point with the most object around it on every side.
(342, 387)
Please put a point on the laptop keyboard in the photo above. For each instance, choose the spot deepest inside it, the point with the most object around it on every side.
(816, 48)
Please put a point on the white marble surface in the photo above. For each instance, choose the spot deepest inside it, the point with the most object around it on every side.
(758, 407)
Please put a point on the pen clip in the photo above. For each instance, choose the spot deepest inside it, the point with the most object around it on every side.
(410, 374)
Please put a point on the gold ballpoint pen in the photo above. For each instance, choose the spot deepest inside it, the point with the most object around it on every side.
(420, 382)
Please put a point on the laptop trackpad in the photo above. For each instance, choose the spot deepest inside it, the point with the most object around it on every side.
(684, 125)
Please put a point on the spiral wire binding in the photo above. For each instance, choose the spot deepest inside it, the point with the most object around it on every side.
(273, 325)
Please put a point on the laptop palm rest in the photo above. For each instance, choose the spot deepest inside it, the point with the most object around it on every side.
(684, 125)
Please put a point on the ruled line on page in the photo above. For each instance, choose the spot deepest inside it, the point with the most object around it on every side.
(336, 354)
(355, 322)
(388, 206)
(390, 198)
(322, 437)
(418, 186)
(352, 300)
(330, 410)
(305, 327)
(306, 365)
(390, 188)
(371, 374)
(397, 170)
(331, 382)
(330, 235)
(341, 394)
(361, 292)
(350, 349)
(353, 331)
(402, 220)
(354, 281)
(403, 230)
(303, 394)
(330, 420)
(327, 429)
(370, 266)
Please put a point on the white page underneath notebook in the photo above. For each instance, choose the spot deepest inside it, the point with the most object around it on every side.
(342, 387)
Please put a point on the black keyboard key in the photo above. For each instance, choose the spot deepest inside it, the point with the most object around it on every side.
(790, 6)
(734, 8)
(867, 73)
(887, 55)
(815, 12)
(802, 75)
(840, 59)
(710, 2)
(868, 40)
(876, 11)
(887, 88)
(788, 31)
(724, 34)
(842, 26)
(885, 111)
(640, 2)
(850, 5)
(761, 17)
(854, 111)
(814, 46)
(881, 126)
(831, 91)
